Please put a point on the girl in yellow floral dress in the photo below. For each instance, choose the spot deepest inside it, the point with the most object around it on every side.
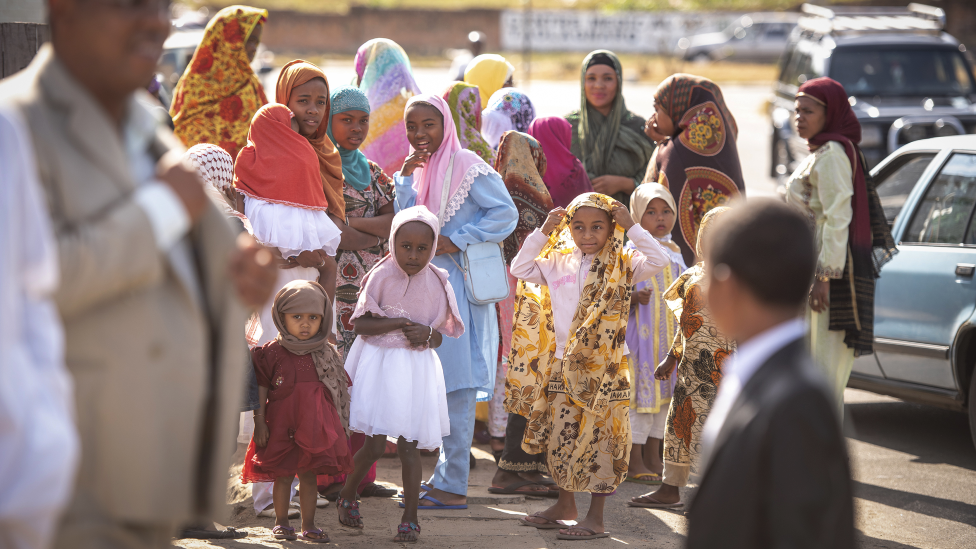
(700, 352)
(567, 373)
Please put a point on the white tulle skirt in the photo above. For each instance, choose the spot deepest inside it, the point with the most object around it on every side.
(397, 393)
(290, 229)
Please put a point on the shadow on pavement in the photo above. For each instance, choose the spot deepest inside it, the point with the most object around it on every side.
(944, 509)
(931, 434)
(867, 542)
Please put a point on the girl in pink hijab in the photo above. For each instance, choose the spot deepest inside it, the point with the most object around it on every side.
(405, 308)
(472, 205)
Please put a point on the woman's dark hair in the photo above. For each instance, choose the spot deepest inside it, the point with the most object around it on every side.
(601, 59)
(769, 247)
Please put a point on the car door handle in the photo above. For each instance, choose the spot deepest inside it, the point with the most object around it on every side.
(965, 269)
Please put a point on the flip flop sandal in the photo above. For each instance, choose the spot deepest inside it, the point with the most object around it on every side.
(549, 524)
(352, 512)
(436, 504)
(284, 532)
(649, 479)
(513, 488)
(591, 535)
(405, 528)
(655, 505)
(323, 538)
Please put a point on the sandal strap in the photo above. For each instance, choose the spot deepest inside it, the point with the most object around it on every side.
(279, 528)
(406, 527)
(352, 508)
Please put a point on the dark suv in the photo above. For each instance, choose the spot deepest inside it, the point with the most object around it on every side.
(907, 78)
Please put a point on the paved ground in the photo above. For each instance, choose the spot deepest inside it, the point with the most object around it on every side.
(914, 466)
(914, 482)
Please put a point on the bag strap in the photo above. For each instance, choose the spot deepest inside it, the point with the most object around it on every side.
(446, 190)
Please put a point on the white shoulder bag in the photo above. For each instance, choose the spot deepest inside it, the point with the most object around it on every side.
(483, 264)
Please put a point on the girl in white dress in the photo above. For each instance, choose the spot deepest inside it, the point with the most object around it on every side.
(405, 306)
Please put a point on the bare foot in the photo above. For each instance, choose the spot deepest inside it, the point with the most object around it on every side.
(407, 532)
(503, 479)
(497, 444)
(446, 498)
(665, 494)
(585, 523)
(349, 513)
(554, 512)
(638, 468)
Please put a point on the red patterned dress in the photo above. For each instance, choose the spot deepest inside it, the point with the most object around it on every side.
(306, 433)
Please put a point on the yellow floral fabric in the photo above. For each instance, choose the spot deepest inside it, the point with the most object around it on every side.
(218, 93)
(577, 407)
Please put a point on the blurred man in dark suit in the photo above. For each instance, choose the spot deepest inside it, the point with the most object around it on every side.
(776, 472)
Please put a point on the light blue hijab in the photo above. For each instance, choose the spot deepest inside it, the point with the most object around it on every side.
(355, 167)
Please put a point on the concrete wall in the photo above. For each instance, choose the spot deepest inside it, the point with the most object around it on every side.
(419, 32)
(23, 11)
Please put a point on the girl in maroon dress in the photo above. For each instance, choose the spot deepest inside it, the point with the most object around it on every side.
(304, 396)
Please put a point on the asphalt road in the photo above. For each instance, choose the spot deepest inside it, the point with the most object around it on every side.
(914, 466)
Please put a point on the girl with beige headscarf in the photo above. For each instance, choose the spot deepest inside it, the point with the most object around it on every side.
(650, 330)
(303, 394)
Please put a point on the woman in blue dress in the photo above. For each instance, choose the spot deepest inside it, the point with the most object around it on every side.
(474, 208)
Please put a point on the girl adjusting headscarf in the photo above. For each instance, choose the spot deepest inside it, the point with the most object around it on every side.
(295, 74)
(508, 109)
(384, 75)
(613, 144)
(465, 103)
(699, 163)
(219, 92)
(565, 176)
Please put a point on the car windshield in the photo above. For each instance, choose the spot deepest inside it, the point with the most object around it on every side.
(908, 71)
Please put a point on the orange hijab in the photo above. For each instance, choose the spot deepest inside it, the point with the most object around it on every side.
(278, 164)
(295, 74)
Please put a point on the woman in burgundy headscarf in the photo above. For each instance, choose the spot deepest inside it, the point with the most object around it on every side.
(853, 239)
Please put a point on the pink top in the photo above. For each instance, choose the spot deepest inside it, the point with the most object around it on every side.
(425, 298)
(565, 274)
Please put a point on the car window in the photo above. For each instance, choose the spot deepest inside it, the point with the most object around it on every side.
(944, 214)
(897, 180)
(901, 71)
(777, 32)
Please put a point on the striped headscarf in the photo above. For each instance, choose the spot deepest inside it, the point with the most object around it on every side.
(385, 76)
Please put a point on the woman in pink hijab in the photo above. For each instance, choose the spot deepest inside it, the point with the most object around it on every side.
(472, 206)
(565, 176)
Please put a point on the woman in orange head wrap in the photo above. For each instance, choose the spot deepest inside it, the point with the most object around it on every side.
(311, 106)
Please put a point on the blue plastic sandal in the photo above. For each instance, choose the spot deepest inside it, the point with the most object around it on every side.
(436, 504)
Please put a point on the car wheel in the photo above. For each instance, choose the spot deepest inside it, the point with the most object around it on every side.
(971, 405)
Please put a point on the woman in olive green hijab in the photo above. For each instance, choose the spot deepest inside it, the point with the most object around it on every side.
(607, 138)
